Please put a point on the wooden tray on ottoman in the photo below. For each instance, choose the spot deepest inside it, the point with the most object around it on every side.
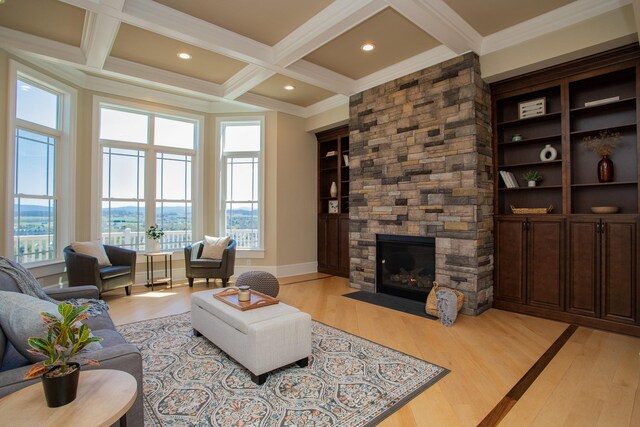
(258, 299)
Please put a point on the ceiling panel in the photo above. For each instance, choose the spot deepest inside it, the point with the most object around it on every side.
(265, 21)
(50, 19)
(490, 16)
(147, 48)
(303, 95)
(395, 38)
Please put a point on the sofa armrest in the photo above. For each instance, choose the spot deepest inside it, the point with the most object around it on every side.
(63, 294)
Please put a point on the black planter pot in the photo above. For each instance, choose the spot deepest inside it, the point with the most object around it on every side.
(61, 390)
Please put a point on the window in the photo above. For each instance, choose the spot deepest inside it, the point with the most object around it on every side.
(40, 166)
(147, 176)
(241, 143)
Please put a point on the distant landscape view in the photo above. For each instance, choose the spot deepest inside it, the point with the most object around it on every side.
(34, 221)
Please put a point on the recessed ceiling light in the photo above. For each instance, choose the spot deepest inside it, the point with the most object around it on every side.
(184, 55)
(367, 47)
(289, 87)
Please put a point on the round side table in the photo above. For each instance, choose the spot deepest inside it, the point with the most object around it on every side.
(104, 397)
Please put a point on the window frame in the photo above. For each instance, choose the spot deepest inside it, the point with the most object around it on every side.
(65, 154)
(151, 150)
(221, 189)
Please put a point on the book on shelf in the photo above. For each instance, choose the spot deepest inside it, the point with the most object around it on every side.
(509, 179)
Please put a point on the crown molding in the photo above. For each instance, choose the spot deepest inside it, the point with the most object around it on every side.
(12, 39)
(245, 80)
(98, 35)
(549, 22)
(326, 105)
(416, 63)
(437, 19)
(331, 22)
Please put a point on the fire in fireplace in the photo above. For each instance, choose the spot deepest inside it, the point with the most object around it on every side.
(405, 265)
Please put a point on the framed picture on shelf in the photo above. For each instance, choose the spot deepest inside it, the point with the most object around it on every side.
(333, 206)
(533, 108)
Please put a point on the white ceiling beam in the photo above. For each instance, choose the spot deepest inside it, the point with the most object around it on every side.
(12, 39)
(332, 21)
(554, 20)
(325, 105)
(440, 21)
(411, 65)
(316, 75)
(98, 35)
(245, 80)
(272, 104)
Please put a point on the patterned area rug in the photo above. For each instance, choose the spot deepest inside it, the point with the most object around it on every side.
(350, 381)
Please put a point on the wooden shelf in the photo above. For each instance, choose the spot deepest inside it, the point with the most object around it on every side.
(604, 184)
(530, 141)
(590, 131)
(540, 163)
(537, 187)
(534, 119)
(630, 101)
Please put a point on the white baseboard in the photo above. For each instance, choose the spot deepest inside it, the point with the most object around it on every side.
(278, 271)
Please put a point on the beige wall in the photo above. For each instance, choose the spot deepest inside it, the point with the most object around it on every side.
(328, 119)
(296, 188)
(4, 65)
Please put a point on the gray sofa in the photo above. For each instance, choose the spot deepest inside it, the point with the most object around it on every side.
(115, 354)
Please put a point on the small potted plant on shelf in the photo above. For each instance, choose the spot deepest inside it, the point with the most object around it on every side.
(66, 339)
(532, 177)
(603, 145)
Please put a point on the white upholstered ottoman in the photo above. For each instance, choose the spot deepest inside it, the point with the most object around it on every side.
(262, 339)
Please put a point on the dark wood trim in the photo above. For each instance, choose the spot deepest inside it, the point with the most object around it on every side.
(518, 390)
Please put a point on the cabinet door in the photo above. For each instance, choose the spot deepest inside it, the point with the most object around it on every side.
(510, 259)
(322, 241)
(545, 263)
(619, 276)
(333, 255)
(345, 259)
(583, 280)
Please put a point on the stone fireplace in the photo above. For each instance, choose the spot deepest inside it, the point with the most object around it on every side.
(421, 166)
(405, 265)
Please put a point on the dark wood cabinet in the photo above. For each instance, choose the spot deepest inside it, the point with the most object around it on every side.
(333, 201)
(529, 262)
(575, 265)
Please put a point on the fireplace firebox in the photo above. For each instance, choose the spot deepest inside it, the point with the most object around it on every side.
(405, 265)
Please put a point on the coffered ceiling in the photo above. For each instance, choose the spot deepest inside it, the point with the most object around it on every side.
(243, 52)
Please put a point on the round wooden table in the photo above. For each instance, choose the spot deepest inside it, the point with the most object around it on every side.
(104, 396)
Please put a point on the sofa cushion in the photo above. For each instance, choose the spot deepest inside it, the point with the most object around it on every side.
(114, 271)
(214, 247)
(93, 248)
(109, 337)
(20, 319)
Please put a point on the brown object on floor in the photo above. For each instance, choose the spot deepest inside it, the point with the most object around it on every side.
(258, 299)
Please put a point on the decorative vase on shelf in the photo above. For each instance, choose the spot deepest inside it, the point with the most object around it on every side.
(548, 153)
(605, 169)
(334, 189)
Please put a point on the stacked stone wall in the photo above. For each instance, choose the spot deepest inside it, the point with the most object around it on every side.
(421, 165)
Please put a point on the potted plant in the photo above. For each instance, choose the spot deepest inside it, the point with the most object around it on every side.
(155, 233)
(532, 177)
(66, 339)
(603, 145)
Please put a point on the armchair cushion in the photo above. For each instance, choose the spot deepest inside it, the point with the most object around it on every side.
(93, 248)
(206, 263)
(214, 247)
(114, 271)
(20, 319)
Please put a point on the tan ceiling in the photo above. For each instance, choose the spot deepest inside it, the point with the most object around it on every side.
(303, 95)
(490, 16)
(36, 16)
(147, 48)
(395, 38)
(267, 21)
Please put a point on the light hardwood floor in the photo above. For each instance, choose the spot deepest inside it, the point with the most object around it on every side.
(593, 380)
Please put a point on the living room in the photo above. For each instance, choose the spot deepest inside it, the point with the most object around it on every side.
(288, 79)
